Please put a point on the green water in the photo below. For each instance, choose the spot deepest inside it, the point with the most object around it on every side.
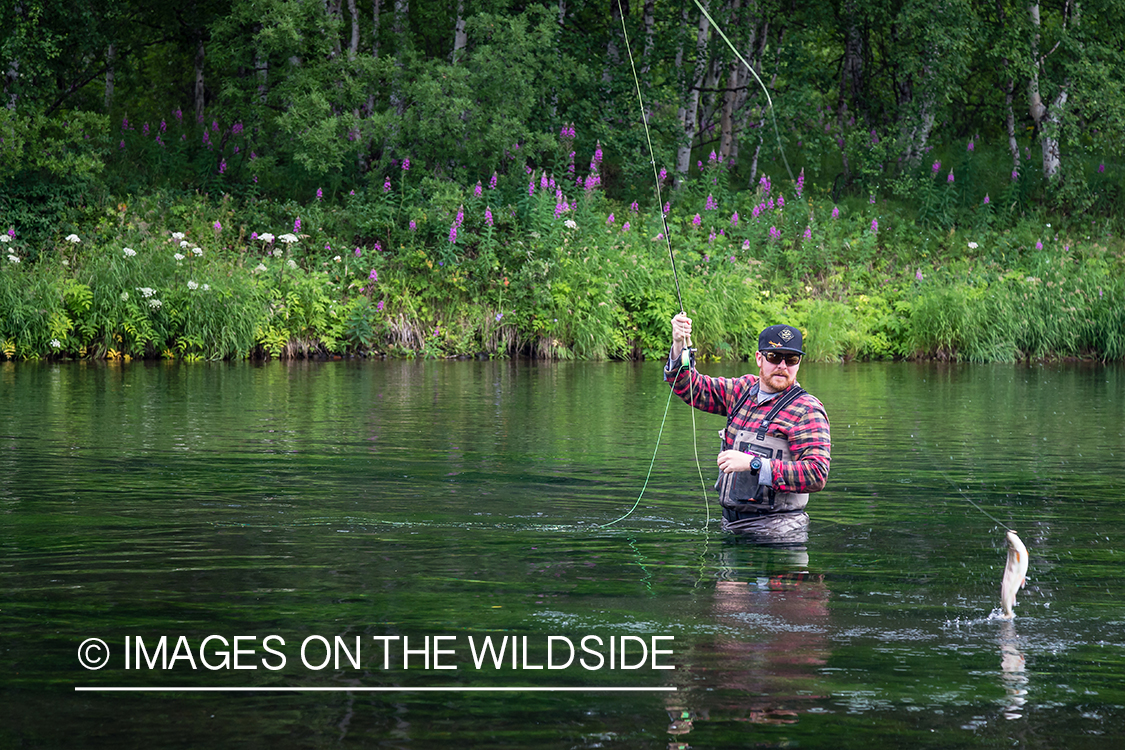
(396, 501)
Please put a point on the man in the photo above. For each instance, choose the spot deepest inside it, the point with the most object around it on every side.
(776, 447)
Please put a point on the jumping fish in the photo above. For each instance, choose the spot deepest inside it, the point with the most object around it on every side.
(1015, 574)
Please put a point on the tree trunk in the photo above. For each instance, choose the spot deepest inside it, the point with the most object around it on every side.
(376, 6)
(109, 73)
(612, 56)
(730, 96)
(199, 58)
(353, 44)
(649, 21)
(460, 38)
(1048, 120)
(689, 110)
(851, 72)
(1010, 121)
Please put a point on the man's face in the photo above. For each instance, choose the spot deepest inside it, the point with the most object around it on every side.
(776, 378)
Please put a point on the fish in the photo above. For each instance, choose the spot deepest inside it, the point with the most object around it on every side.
(1015, 574)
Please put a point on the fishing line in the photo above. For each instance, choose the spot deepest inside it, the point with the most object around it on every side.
(650, 465)
(968, 499)
(769, 99)
(675, 274)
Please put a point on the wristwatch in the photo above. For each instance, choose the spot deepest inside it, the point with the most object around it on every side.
(755, 465)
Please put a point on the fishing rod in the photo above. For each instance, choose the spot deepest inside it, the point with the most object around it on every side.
(685, 354)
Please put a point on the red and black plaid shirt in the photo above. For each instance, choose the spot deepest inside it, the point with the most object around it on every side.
(803, 423)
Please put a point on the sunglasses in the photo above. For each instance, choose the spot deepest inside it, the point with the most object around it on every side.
(776, 358)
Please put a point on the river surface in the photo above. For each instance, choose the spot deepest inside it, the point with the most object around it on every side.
(361, 528)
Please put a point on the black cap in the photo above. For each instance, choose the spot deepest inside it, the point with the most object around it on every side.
(781, 338)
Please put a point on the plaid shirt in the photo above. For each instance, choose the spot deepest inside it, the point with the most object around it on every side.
(803, 423)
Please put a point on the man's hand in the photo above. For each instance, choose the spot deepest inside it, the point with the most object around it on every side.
(731, 461)
(681, 334)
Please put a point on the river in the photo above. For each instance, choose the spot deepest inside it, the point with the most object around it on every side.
(333, 554)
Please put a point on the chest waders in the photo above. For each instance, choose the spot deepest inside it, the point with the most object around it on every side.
(739, 491)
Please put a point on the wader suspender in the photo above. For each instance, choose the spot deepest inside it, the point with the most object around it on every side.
(792, 395)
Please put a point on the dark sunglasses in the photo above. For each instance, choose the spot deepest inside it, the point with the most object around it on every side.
(776, 358)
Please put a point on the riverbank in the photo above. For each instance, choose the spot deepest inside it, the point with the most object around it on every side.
(488, 271)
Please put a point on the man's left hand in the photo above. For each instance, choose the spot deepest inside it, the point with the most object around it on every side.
(731, 461)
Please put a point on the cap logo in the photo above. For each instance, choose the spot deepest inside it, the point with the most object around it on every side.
(774, 343)
(786, 334)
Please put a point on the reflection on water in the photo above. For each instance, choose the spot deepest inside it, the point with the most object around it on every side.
(383, 499)
(761, 667)
(1013, 667)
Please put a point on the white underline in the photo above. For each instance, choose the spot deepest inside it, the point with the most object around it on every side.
(506, 689)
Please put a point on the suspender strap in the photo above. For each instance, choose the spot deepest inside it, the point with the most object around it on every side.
(790, 396)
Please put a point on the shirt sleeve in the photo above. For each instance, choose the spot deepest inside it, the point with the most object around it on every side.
(714, 395)
(810, 443)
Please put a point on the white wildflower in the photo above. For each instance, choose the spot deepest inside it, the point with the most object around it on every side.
(178, 256)
(73, 238)
(571, 224)
(197, 252)
(973, 246)
(184, 243)
(124, 296)
(259, 268)
(5, 238)
(192, 285)
(56, 343)
(66, 262)
(206, 287)
(129, 252)
(154, 303)
(14, 258)
(146, 291)
(288, 239)
(265, 237)
(292, 264)
(337, 259)
(177, 235)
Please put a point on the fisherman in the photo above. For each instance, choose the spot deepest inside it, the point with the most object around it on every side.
(776, 447)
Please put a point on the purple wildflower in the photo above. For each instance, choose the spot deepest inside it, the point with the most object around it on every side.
(297, 226)
(453, 234)
(477, 190)
(1015, 175)
(986, 201)
(1101, 168)
(531, 187)
(874, 226)
(663, 174)
(319, 194)
(379, 306)
(413, 226)
(1038, 245)
(667, 207)
(801, 182)
(835, 212)
(937, 167)
(374, 275)
(358, 252)
(950, 177)
(711, 206)
(387, 185)
(808, 233)
(918, 274)
(764, 183)
(488, 215)
(697, 220)
(218, 227)
(780, 201)
(222, 166)
(734, 219)
(634, 207)
(406, 164)
(609, 220)
(775, 233)
(625, 227)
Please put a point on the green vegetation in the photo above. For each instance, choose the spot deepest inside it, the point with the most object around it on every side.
(963, 200)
